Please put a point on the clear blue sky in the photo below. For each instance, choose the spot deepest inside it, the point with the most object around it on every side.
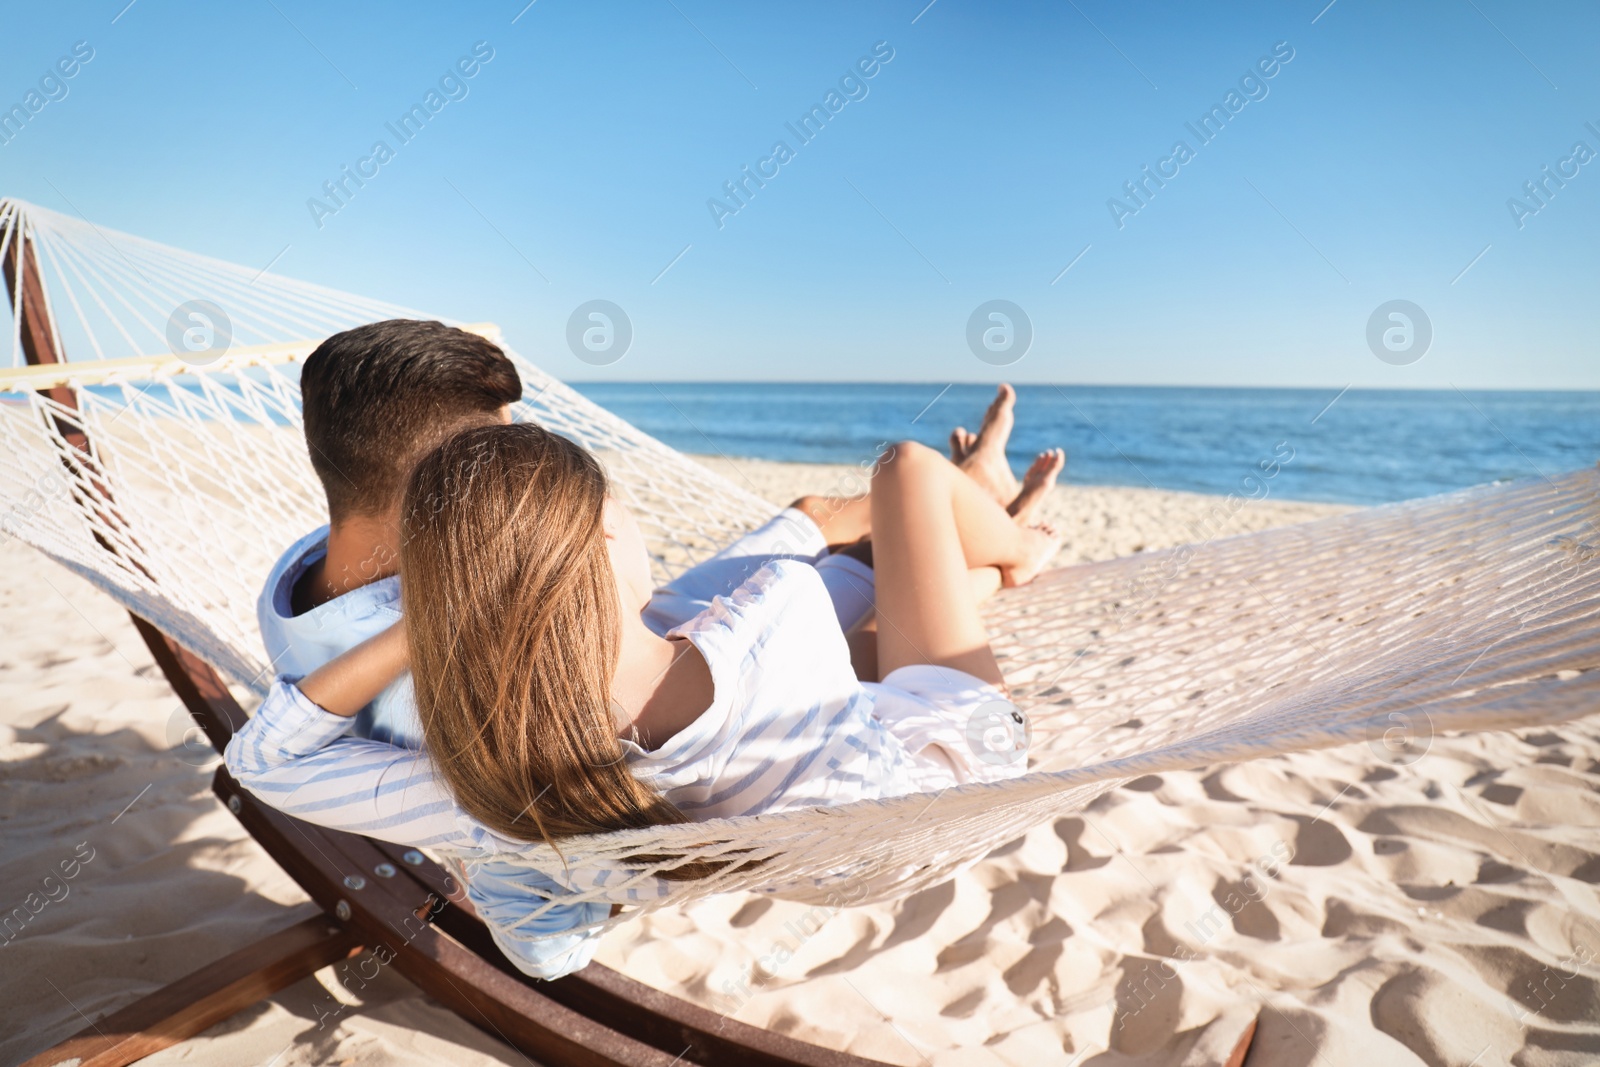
(978, 166)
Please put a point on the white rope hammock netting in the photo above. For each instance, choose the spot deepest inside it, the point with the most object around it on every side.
(1473, 610)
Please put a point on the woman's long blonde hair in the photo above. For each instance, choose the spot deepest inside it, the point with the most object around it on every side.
(512, 621)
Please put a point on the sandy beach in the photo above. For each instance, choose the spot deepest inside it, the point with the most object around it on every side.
(1444, 913)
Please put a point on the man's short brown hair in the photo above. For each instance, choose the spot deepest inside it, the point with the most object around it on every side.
(379, 397)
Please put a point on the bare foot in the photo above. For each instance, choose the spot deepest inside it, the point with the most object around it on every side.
(1036, 484)
(962, 442)
(1040, 543)
(985, 460)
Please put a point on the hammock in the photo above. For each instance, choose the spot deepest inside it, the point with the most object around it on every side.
(1472, 610)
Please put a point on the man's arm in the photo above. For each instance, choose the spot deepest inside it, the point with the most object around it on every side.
(351, 680)
(294, 755)
(297, 757)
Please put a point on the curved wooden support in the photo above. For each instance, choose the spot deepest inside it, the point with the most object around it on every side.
(204, 998)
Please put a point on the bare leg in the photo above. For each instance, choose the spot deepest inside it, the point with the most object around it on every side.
(863, 642)
(962, 442)
(983, 454)
(843, 520)
(932, 524)
(1036, 485)
(984, 583)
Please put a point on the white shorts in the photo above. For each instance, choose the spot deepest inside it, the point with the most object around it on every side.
(958, 728)
(790, 534)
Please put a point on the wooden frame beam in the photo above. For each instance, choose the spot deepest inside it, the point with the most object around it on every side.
(206, 997)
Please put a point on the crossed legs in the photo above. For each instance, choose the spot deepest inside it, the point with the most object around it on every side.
(932, 525)
(846, 520)
(993, 516)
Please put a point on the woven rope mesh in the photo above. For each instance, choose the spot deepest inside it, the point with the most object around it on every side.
(1477, 609)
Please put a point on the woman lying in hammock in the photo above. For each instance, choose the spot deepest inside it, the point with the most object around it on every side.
(550, 710)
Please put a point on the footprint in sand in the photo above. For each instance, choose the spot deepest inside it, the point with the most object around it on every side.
(1319, 843)
(1556, 989)
(1441, 1020)
(1244, 902)
(1149, 998)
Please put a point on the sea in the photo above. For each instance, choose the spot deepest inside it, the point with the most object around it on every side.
(1359, 446)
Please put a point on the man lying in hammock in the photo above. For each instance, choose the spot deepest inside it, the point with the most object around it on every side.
(363, 395)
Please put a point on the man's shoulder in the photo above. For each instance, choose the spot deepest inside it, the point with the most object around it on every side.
(296, 645)
(278, 590)
(336, 624)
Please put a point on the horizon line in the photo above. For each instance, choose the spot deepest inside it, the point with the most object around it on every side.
(936, 383)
